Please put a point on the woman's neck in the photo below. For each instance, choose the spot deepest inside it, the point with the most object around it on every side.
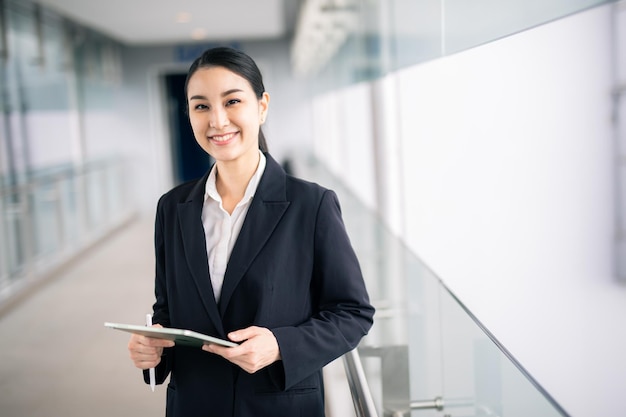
(232, 180)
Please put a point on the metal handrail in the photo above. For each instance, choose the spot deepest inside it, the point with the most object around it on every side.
(436, 404)
(51, 193)
(361, 394)
(54, 175)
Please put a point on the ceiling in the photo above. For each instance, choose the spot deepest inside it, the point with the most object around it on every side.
(150, 22)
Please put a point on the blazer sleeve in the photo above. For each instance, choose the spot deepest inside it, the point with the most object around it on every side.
(160, 307)
(342, 311)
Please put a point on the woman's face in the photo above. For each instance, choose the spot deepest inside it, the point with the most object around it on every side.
(225, 114)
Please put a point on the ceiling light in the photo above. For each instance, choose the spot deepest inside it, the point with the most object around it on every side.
(183, 17)
(198, 34)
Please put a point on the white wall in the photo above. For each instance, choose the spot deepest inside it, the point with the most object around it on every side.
(144, 124)
(344, 139)
(510, 156)
(506, 160)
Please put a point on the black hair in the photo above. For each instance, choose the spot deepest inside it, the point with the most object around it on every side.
(237, 62)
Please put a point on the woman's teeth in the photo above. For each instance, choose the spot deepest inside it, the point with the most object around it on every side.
(223, 138)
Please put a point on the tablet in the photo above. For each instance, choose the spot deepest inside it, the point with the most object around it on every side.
(179, 336)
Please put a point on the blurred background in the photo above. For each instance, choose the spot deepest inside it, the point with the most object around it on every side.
(478, 149)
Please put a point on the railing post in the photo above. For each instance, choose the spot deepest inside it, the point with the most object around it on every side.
(361, 394)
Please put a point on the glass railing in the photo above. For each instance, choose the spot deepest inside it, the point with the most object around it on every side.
(426, 355)
(51, 216)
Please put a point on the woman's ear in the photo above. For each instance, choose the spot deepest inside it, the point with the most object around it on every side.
(264, 103)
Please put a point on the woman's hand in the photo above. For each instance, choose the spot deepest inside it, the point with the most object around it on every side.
(146, 352)
(258, 350)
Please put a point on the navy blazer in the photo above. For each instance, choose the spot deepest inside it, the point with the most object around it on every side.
(292, 270)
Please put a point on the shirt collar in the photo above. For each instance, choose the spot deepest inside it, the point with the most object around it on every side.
(211, 188)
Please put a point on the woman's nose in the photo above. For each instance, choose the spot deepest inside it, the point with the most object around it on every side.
(218, 119)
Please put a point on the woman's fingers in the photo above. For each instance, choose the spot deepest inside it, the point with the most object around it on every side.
(146, 352)
(258, 350)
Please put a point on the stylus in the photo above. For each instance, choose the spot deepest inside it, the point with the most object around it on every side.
(151, 371)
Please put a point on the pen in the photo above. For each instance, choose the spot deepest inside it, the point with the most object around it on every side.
(151, 370)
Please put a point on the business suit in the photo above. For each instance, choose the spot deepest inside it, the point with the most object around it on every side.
(292, 270)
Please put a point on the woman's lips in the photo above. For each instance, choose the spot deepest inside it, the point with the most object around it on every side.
(223, 139)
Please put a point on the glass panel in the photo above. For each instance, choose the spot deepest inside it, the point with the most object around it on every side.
(46, 93)
(416, 31)
(70, 212)
(4, 247)
(43, 221)
(96, 198)
(390, 35)
(468, 24)
(4, 106)
(14, 214)
(353, 49)
(45, 217)
(51, 203)
(479, 378)
(22, 47)
(424, 345)
(4, 150)
(114, 183)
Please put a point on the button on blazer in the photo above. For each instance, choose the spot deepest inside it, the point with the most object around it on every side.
(292, 270)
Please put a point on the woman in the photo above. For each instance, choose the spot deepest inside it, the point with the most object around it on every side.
(249, 254)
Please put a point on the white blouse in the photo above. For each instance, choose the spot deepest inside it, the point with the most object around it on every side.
(220, 228)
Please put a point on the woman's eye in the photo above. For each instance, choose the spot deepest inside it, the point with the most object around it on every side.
(233, 101)
(200, 107)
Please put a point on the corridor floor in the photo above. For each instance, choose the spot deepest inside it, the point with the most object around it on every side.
(58, 359)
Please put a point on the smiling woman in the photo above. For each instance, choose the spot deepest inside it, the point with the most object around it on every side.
(252, 255)
(226, 115)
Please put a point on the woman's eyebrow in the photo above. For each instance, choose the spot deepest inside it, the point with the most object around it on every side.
(231, 91)
(224, 94)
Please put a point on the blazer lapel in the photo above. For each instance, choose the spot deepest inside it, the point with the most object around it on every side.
(194, 244)
(266, 209)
